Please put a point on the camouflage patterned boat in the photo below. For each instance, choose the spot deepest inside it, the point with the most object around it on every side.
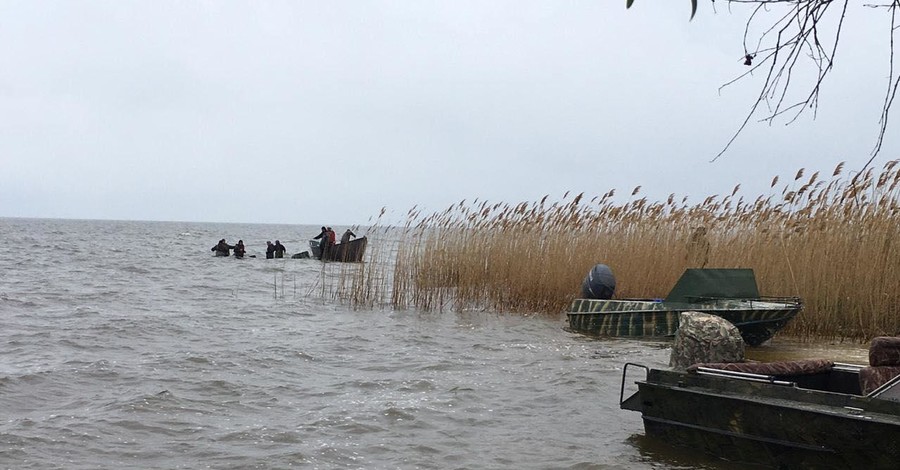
(796, 414)
(729, 293)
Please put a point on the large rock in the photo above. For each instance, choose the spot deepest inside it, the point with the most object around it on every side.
(702, 337)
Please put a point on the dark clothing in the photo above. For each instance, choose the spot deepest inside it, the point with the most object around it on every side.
(346, 236)
(279, 250)
(324, 243)
(222, 248)
(239, 250)
(270, 250)
(326, 247)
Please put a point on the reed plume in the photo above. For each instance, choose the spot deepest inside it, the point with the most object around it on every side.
(833, 243)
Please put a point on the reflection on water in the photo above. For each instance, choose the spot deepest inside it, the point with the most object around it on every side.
(787, 349)
(659, 454)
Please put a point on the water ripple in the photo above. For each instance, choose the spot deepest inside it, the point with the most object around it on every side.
(121, 358)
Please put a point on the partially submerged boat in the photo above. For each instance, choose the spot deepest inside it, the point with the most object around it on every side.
(350, 252)
(729, 293)
(796, 414)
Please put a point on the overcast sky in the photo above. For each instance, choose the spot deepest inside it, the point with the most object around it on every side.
(325, 112)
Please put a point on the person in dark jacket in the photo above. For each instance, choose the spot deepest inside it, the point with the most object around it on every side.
(330, 245)
(239, 249)
(270, 250)
(324, 239)
(279, 249)
(222, 248)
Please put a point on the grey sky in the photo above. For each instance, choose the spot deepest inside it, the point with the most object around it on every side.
(325, 112)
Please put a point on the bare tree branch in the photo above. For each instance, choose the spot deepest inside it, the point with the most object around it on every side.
(791, 37)
(893, 82)
(803, 32)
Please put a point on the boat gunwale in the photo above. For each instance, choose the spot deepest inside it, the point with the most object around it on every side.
(748, 420)
(689, 308)
(767, 393)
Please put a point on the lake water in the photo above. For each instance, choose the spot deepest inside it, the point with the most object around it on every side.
(128, 345)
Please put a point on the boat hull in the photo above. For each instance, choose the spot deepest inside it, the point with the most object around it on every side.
(765, 423)
(757, 321)
(350, 252)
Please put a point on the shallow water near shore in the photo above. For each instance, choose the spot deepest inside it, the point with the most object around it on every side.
(127, 344)
(785, 349)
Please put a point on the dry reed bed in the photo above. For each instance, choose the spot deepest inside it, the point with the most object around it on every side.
(831, 242)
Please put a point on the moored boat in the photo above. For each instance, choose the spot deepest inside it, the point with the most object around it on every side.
(729, 293)
(796, 414)
(350, 252)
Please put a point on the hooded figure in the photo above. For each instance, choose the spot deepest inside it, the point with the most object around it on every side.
(222, 248)
(279, 249)
(239, 249)
(324, 243)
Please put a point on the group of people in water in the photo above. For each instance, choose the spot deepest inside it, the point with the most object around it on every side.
(273, 250)
(224, 249)
(276, 250)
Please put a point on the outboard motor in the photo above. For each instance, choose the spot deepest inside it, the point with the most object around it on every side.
(599, 284)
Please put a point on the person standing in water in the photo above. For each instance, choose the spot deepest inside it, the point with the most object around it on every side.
(270, 250)
(323, 241)
(239, 249)
(222, 248)
(331, 238)
(279, 249)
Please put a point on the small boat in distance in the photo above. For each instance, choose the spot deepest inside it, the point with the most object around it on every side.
(729, 293)
(350, 252)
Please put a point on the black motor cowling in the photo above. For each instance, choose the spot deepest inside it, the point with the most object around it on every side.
(599, 283)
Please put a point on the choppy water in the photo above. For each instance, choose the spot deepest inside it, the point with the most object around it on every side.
(127, 345)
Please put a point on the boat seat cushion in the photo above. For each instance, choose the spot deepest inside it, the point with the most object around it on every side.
(803, 367)
(884, 351)
(871, 378)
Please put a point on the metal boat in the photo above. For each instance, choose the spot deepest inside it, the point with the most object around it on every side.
(350, 252)
(729, 293)
(797, 414)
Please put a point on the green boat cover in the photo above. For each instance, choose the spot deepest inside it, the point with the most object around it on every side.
(697, 284)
